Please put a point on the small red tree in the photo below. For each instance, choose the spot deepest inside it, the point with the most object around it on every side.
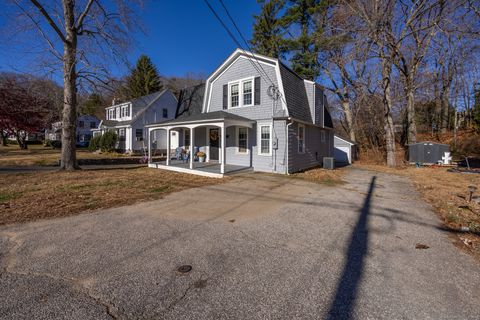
(22, 109)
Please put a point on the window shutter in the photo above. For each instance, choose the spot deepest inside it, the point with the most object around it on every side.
(225, 96)
(257, 91)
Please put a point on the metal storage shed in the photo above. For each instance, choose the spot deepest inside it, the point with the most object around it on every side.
(345, 151)
(427, 152)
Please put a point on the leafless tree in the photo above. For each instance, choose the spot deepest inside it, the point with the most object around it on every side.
(80, 36)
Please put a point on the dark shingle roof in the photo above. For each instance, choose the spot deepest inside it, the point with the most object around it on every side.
(295, 94)
(190, 101)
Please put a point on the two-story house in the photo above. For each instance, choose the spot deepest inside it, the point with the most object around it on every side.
(128, 120)
(85, 125)
(254, 113)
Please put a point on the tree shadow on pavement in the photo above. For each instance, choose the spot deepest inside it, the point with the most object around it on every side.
(343, 303)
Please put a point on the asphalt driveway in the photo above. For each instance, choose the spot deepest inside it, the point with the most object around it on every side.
(260, 247)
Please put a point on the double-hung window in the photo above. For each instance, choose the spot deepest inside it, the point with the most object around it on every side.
(186, 137)
(139, 134)
(242, 140)
(234, 95)
(265, 143)
(247, 93)
(301, 138)
(165, 112)
(121, 134)
(241, 93)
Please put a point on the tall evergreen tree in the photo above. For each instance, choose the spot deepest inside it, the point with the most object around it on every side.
(143, 80)
(267, 30)
(304, 15)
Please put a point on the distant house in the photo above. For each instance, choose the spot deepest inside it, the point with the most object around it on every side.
(253, 112)
(128, 119)
(85, 124)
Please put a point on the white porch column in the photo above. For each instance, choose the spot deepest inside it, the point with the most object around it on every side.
(149, 146)
(168, 147)
(192, 144)
(222, 149)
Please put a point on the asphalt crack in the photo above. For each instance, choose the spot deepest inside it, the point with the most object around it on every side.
(111, 310)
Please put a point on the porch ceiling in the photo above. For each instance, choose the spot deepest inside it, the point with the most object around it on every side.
(217, 118)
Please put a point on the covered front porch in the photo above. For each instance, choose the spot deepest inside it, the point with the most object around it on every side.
(209, 144)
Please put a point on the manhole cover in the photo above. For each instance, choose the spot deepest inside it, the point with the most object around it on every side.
(184, 269)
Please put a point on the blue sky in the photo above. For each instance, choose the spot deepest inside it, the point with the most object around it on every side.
(182, 37)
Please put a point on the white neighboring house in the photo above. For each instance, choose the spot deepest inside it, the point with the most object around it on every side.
(345, 151)
(85, 124)
(129, 119)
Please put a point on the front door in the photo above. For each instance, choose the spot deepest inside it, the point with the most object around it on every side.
(214, 143)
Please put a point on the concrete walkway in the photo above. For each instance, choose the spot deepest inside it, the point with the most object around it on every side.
(261, 247)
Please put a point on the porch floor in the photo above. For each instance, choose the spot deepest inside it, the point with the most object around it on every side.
(208, 169)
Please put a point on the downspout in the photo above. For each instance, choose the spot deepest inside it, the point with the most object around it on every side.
(288, 139)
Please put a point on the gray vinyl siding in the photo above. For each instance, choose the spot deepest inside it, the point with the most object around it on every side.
(232, 156)
(240, 69)
(153, 114)
(310, 90)
(319, 105)
(315, 149)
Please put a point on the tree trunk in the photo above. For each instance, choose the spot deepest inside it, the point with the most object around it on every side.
(349, 119)
(388, 120)
(445, 98)
(21, 137)
(69, 116)
(411, 124)
(4, 138)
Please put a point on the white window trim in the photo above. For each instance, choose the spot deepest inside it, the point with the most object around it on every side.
(240, 92)
(259, 138)
(300, 125)
(237, 151)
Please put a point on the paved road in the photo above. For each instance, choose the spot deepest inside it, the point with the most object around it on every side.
(261, 247)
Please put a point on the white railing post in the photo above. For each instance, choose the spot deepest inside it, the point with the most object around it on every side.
(192, 145)
(149, 146)
(222, 149)
(168, 147)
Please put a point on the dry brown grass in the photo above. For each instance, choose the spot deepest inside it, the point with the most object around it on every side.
(26, 197)
(323, 176)
(447, 193)
(38, 155)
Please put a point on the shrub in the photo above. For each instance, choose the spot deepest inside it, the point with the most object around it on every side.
(94, 143)
(108, 141)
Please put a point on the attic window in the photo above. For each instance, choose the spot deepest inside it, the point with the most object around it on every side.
(234, 95)
(241, 93)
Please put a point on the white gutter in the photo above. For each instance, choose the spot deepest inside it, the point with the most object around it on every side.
(288, 138)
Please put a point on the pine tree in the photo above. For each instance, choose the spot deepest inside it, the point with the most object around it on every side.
(267, 30)
(303, 15)
(143, 80)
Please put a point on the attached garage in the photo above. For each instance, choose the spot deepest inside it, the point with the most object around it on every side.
(344, 150)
